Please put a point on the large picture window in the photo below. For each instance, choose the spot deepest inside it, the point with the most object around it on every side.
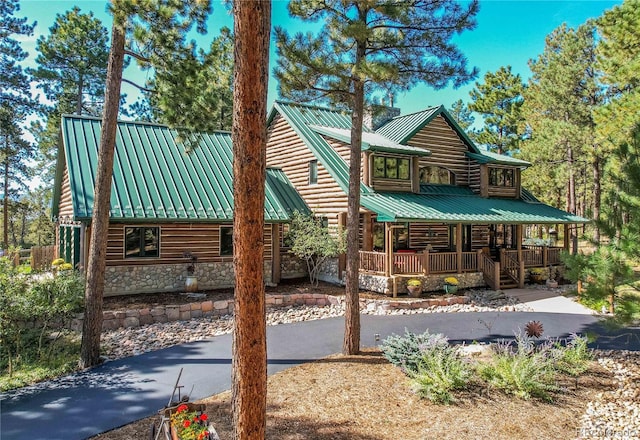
(226, 241)
(142, 242)
(391, 168)
(435, 174)
(501, 177)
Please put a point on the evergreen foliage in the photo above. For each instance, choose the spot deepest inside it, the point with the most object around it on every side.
(16, 104)
(463, 116)
(559, 103)
(499, 100)
(406, 352)
(366, 46)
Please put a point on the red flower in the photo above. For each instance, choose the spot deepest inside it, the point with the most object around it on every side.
(204, 417)
(201, 436)
(186, 423)
(182, 407)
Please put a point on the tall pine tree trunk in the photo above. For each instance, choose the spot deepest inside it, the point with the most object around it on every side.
(5, 200)
(351, 343)
(597, 197)
(252, 22)
(571, 195)
(92, 325)
(79, 96)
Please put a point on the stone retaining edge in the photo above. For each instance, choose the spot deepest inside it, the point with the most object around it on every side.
(113, 320)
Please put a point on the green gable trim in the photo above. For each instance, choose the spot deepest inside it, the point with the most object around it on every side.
(156, 179)
(371, 141)
(301, 118)
(468, 209)
(402, 128)
(498, 159)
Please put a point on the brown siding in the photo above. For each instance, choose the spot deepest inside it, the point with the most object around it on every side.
(65, 205)
(480, 236)
(286, 150)
(423, 234)
(202, 239)
(447, 149)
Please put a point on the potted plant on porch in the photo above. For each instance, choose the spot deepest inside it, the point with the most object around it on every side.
(414, 286)
(537, 275)
(451, 285)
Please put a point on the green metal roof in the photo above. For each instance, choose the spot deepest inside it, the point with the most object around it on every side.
(371, 141)
(461, 208)
(301, 117)
(500, 159)
(155, 178)
(402, 128)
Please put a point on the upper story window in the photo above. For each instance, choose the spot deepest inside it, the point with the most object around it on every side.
(313, 172)
(385, 167)
(435, 174)
(141, 242)
(501, 177)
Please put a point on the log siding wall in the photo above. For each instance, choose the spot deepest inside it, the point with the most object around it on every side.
(202, 239)
(65, 205)
(447, 150)
(286, 150)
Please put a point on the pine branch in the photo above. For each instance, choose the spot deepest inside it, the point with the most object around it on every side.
(138, 86)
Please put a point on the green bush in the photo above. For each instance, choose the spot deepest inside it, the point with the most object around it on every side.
(31, 306)
(406, 351)
(440, 371)
(524, 371)
(574, 357)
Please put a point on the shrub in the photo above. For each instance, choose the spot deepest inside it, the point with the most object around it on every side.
(574, 357)
(29, 307)
(406, 351)
(440, 371)
(524, 371)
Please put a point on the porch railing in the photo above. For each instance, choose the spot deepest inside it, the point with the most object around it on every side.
(511, 266)
(448, 262)
(372, 262)
(490, 270)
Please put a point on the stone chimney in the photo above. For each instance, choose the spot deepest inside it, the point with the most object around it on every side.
(378, 114)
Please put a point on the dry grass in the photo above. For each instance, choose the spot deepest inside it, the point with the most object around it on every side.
(366, 398)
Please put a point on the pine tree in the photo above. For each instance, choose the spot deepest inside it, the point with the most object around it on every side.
(364, 46)
(194, 90)
(559, 103)
(463, 117)
(160, 27)
(15, 104)
(499, 100)
(252, 24)
(72, 62)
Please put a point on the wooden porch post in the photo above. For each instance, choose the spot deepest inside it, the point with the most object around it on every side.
(388, 250)
(459, 247)
(276, 271)
(367, 231)
(425, 262)
(545, 255)
(520, 259)
(567, 235)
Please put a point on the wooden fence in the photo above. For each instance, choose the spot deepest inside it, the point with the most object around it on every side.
(42, 256)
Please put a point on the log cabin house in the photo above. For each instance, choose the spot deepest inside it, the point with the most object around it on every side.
(432, 203)
(166, 202)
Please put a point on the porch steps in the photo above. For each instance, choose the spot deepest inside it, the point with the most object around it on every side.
(506, 282)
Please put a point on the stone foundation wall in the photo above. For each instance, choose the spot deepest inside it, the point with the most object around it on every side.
(430, 283)
(155, 278)
(329, 272)
(113, 320)
(292, 267)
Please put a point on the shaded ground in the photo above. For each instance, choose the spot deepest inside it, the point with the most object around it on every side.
(366, 398)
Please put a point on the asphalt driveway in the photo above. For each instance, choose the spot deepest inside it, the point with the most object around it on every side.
(122, 391)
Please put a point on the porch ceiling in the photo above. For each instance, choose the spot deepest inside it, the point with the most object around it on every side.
(456, 208)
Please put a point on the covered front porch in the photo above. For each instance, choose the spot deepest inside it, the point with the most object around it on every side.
(501, 267)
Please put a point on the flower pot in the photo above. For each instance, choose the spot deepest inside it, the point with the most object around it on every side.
(191, 283)
(537, 278)
(414, 291)
(552, 283)
(450, 288)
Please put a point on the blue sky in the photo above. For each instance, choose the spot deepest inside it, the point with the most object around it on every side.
(508, 33)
